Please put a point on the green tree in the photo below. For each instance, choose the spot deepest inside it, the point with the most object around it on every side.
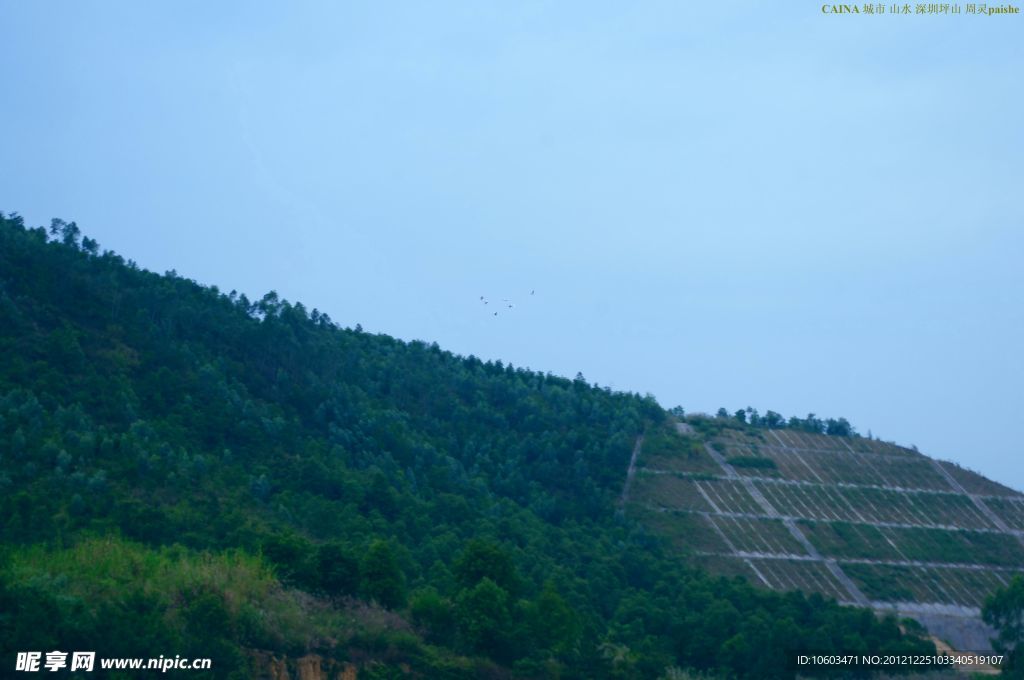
(434, 615)
(838, 428)
(553, 624)
(483, 619)
(485, 559)
(382, 579)
(291, 555)
(1004, 611)
(338, 572)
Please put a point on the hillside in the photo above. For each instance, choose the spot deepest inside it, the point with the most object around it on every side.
(187, 471)
(865, 522)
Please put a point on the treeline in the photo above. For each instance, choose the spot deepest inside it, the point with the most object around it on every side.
(839, 427)
(255, 476)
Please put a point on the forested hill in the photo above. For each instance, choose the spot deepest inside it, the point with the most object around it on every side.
(184, 471)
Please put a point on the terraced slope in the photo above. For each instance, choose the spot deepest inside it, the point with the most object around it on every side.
(862, 521)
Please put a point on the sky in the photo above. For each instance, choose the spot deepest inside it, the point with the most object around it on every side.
(742, 204)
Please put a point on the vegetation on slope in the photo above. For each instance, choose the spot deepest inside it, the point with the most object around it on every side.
(188, 470)
(838, 427)
(1004, 611)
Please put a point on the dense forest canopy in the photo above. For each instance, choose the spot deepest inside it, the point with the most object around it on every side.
(189, 470)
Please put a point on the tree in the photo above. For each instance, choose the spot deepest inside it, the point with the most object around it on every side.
(753, 417)
(90, 246)
(1004, 611)
(838, 428)
(67, 231)
(382, 580)
(337, 570)
(484, 559)
(290, 554)
(433, 614)
(553, 624)
(482, 617)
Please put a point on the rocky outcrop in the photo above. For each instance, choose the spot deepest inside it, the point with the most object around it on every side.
(266, 666)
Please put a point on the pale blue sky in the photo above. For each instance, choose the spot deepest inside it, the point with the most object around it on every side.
(728, 205)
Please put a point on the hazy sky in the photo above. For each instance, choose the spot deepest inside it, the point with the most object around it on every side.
(728, 205)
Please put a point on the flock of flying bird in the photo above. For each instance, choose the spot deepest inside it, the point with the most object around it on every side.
(504, 301)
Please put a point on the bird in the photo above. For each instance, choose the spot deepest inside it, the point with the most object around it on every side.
(505, 301)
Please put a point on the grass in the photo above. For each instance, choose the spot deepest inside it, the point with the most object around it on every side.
(669, 491)
(845, 539)
(686, 532)
(665, 449)
(759, 462)
(881, 582)
(192, 596)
